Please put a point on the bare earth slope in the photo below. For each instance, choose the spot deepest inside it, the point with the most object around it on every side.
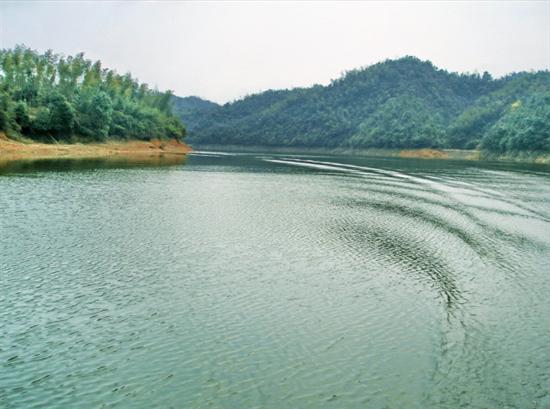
(13, 150)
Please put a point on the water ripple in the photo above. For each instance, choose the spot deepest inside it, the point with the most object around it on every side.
(275, 281)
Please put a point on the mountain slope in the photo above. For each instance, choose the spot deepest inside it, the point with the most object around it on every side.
(190, 108)
(404, 103)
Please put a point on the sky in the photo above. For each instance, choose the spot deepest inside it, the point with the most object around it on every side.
(223, 51)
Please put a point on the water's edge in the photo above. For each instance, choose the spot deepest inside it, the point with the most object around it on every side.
(542, 158)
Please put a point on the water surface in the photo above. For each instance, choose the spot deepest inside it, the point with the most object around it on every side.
(274, 281)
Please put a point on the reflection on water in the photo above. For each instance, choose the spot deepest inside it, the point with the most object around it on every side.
(264, 281)
(66, 164)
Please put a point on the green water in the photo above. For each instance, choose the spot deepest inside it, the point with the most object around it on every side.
(274, 281)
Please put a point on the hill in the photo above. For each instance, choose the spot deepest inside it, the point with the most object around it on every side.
(49, 97)
(404, 103)
(189, 109)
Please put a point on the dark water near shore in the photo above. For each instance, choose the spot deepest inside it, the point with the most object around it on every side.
(274, 281)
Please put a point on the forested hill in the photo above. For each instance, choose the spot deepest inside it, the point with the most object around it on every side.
(52, 98)
(189, 109)
(404, 103)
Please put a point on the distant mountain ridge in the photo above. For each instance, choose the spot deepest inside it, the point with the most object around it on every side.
(403, 103)
(190, 108)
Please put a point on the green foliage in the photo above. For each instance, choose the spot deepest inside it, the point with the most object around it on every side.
(472, 125)
(96, 111)
(21, 116)
(400, 122)
(62, 114)
(190, 108)
(405, 103)
(174, 128)
(524, 127)
(41, 123)
(5, 118)
(50, 97)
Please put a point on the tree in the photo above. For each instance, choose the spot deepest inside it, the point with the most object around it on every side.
(22, 117)
(52, 97)
(524, 127)
(62, 115)
(95, 114)
(5, 118)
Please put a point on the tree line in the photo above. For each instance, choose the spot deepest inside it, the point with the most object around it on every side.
(404, 103)
(50, 97)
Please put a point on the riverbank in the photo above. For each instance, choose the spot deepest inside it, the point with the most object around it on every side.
(11, 150)
(424, 153)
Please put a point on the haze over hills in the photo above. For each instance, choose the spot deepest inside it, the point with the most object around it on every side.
(403, 103)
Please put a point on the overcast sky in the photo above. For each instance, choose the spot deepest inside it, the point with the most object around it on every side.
(223, 50)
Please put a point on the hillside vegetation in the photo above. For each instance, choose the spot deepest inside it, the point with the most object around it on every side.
(52, 98)
(404, 103)
(190, 108)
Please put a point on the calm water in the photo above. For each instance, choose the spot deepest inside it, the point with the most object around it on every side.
(274, 281)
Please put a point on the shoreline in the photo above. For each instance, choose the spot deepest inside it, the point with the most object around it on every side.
(420, 153)
(11, 150)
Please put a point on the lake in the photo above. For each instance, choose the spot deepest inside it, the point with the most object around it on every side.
(274, 281)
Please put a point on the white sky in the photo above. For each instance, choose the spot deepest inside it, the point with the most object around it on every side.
(225, 50)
